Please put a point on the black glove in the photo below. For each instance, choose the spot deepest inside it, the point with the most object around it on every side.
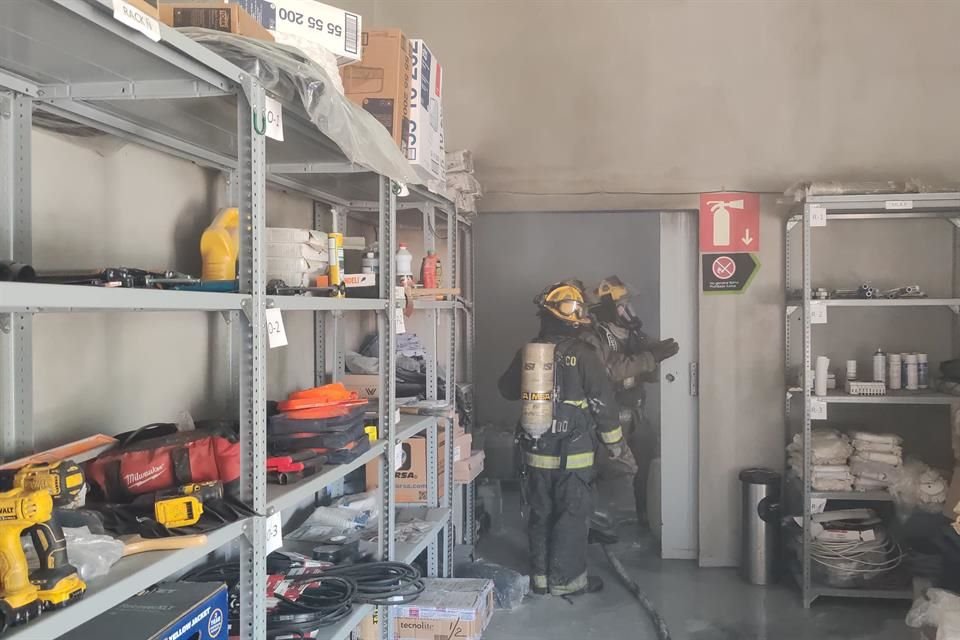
(664, 349)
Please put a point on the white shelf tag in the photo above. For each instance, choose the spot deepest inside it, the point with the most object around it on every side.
(398, 317)
(817, 505)
(398, 456)
(274, 116)
(818, 409)
(136, 19)
(898, 205)
(274, 532)
(276, 334)
(818, 215)
(818, 313)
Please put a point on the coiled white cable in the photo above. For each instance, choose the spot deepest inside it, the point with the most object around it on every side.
(854, 557)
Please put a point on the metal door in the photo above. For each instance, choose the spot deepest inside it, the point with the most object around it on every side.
(679, 420)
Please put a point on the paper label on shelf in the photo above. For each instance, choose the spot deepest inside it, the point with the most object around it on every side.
(898, 205)
(276, 334)
(818, 409)
(274, 115)
(817, 505)
(397, 456)
(818, 313)
(274, 532)
(398, 318)
(137, 19)
(818, 215)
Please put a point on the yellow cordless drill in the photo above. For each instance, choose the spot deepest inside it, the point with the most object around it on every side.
(183, 506)
(19, 510)
(56, 580)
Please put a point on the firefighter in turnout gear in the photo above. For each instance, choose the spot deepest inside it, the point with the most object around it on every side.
(558, 459)
(631, 359)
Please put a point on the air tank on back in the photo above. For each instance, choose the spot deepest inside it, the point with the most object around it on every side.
(536, 388)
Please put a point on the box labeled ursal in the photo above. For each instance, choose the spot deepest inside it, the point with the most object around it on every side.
(334, 29)
(425, 142)
(213, 15)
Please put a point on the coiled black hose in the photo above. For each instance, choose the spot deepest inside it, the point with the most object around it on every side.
(382, 583)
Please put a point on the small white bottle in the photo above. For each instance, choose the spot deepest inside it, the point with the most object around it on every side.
(893, 371)
(851, 370)
(404, 266)
(879, 366)
(912, 382)
(923, 371)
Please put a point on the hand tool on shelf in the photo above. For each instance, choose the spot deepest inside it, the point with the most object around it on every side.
(56, 582)
(63, 480)
(136, 543)
(183, 507)
(289, 468)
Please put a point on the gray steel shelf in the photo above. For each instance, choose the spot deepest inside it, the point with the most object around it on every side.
(437, 517)
(129, 576)
(880, 302)
(892, 397)
(887, 206)
(885, 594)
(343, 629)
(307, 303)
(410, 425)
(422, 304)
(280, 497)
(853, 496)
(20, 297)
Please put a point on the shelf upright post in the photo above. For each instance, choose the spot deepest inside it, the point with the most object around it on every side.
(319, 319)
(807, 386)
(16, 329)
(387, 336)
(251, 173)
(339, 216)
(452, 279)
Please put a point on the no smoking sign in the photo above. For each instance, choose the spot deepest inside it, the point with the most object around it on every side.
(728, 272)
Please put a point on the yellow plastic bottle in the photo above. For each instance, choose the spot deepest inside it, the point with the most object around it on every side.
(220, 245)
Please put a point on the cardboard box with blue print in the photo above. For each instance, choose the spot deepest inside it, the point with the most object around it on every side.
(334, 29)
(425, 148)
(169, 611)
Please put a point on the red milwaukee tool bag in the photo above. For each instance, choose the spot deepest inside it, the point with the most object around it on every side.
(144, 462)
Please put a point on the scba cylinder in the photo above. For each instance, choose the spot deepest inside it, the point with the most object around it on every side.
(536, 388)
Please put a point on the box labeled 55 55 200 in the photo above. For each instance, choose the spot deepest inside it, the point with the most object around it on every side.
(336, 30)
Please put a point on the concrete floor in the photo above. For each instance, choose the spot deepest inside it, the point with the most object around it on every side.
(697, 604)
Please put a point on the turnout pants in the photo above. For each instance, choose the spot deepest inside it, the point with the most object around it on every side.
(644, 445)
(561, 502)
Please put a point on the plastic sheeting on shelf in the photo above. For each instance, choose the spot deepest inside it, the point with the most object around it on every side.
(289, 74)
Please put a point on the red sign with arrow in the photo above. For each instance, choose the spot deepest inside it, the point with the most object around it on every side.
(729, 222)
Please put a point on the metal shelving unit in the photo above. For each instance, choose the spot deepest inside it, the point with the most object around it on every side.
(799, 399)
(72, 59)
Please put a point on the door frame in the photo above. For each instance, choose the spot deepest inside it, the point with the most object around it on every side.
(679, 386)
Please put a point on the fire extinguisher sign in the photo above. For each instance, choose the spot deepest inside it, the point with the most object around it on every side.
(729, 222)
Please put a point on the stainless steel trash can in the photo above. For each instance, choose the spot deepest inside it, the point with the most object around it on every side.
(760, 490)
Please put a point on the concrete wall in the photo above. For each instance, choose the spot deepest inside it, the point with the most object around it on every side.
(633, 105)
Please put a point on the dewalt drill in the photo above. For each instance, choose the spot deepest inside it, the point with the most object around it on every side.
(57, 580)
(19, 510)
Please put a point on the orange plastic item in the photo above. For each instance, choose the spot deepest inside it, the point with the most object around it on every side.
(322, 411)
(334, 392)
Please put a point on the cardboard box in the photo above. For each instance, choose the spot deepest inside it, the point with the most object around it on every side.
(334, 29)
(425, 143)
(467, 470)
(149, 7)
(354, 280)
(296, 250)
(449, 608)
(366, 386)
(171, 611)
(213, 15)
(380, 82)
(410, 477)
(462, 445)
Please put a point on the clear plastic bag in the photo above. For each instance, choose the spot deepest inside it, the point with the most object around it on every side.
(291, 75)
(929, 609)
(92, 554)
(510, 587)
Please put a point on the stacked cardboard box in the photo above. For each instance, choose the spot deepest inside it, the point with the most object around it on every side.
(230, 18)
(410, 475)
(314, 23)
(459, 608)
(462, 185)
(380, 82)
(296, 256)
(425, 148)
